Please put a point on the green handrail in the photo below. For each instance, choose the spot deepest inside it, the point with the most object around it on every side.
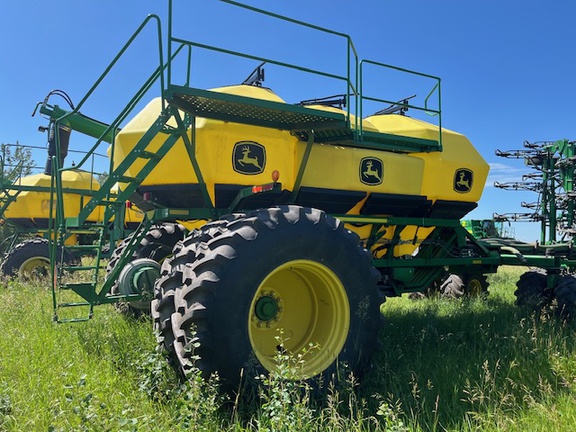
(435, 89)
(351, 77)
(110, 131)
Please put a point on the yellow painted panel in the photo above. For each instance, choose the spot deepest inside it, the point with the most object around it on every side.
(447, 171)
(335, 167)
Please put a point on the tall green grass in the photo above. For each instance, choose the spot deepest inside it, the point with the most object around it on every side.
(441, 365)
(477, 364)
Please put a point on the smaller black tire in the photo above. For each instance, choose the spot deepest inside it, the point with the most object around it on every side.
(532, 290)
(157, 245)
(28, 259)
(565, 294)
(466, 285)
(433, 290)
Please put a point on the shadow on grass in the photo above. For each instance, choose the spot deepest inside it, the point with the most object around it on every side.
(453, 364)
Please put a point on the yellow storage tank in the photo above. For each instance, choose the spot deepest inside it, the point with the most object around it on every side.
(31, 209)
(340, 177)
(232, 156)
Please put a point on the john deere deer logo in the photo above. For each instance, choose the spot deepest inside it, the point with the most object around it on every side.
(463, 180)
(248, 157)
(371, 171)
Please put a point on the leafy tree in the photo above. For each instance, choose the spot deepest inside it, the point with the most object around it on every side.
(15, 162)
(101, 178)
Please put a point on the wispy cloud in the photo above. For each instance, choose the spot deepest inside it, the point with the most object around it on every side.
(502, 173)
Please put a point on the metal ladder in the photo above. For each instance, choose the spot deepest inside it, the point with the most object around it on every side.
(114, 206)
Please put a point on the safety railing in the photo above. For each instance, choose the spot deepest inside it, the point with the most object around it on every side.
(19, 160)
(106, 133)
(352, 60)
(404, 104)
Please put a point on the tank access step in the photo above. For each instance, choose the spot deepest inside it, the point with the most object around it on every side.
(328, 127)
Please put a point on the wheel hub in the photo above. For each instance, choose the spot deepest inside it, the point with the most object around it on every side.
(138, 277)
(266, 308)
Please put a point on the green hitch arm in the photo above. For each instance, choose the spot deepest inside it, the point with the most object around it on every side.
(80, 123)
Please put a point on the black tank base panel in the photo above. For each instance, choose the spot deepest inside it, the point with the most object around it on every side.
(396, 205)
(451, 209)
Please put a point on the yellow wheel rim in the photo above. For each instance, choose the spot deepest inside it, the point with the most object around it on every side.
(474, 288)
(34, 266)
(304, 304)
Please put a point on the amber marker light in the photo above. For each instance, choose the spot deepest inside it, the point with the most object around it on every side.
(275, 175)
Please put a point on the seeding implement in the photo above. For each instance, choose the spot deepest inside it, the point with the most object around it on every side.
(301, 218)
(551, 177)
(27, 204)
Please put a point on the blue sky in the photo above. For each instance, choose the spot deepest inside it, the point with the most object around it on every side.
(506, 66)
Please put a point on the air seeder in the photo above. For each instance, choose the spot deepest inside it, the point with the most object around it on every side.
(302, 217)
(27, 205)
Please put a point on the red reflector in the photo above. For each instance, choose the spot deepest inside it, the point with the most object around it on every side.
(262, 188)
(128, 204)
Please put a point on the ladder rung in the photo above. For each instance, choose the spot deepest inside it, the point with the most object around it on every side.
(83, 247)
(80, 268)
(72, 320)
(73, 225)
(83, 230)
(78, 286)
(128, 179)
(73, 304)
(148, 155)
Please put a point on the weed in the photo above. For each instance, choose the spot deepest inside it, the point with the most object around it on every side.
(284, 397)
(390, 417)
(196, 402)
(155, 377)
(80, 409)
(6, 409)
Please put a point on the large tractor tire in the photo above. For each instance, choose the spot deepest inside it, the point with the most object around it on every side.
(565, 294)
(532, 290)
(185, 253)
(29, 259)
(467, 285)
(284, 280)
(157, 245)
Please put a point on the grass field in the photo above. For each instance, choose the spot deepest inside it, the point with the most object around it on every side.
(441, 365)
